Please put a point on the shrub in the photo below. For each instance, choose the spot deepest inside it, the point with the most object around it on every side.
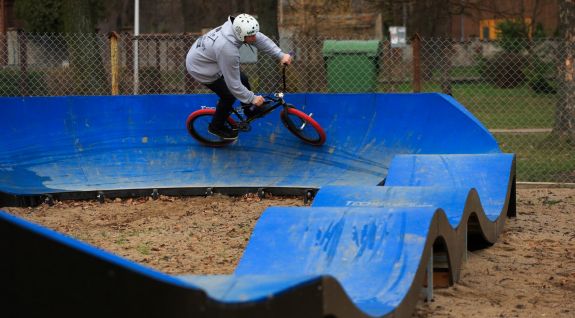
(15, 83)
(512, 35)
(540, 85)
(150, 80)
(504, 69)
(538, 74)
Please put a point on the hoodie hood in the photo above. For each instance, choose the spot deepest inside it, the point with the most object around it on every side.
(228, 32)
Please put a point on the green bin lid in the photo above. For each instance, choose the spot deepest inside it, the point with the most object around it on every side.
(368, 47)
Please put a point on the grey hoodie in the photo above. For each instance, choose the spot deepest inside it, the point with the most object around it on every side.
(217, 53)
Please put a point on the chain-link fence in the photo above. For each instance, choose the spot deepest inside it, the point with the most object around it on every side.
(513, 87)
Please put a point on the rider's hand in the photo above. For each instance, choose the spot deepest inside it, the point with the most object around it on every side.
(286, 59)
(258, 100)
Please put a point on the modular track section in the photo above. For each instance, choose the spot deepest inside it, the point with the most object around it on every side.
(404, 183)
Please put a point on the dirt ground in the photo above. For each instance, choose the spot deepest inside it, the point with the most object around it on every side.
(529, 272)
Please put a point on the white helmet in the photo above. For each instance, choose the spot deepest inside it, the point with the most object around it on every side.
(245, 25)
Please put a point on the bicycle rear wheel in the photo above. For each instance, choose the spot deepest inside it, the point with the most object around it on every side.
(197, 125)
(303, 126)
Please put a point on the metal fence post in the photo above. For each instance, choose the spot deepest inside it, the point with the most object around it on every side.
(114, 63)
(416, 43)
(136, 63)
(24, 91)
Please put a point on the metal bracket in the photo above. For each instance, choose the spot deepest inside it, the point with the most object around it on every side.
(48, 199)
(101, 197)
(308, 196)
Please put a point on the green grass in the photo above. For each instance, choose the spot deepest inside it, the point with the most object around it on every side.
(540, 157)
(497, 108)
(144, 249)
(461, 72)
(500, 108)
(12, 81)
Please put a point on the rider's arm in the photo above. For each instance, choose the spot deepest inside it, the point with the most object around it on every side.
(229, 64)
(266, 45)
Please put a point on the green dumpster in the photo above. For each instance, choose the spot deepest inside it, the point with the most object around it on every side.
(352, 66)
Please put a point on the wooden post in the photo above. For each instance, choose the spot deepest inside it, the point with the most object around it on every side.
(114, 63)
(416, 44)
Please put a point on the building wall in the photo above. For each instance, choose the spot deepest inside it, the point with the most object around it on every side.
(481, 13)
(330, 18)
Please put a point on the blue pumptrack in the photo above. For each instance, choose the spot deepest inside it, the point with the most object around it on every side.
(404, 183)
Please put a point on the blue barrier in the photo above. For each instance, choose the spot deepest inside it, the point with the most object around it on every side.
(359, 250)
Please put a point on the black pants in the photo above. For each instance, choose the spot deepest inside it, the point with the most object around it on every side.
(224, 106)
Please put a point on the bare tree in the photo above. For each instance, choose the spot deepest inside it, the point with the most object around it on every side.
(202, 14)
(565, 114)
(205, 14)
(267, 12)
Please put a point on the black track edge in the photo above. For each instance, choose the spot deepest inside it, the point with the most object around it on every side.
(18, 200)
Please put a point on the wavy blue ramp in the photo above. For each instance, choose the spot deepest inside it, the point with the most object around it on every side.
(404, 184)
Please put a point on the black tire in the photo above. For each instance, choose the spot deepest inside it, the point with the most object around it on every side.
(197, 125)
(303, 126)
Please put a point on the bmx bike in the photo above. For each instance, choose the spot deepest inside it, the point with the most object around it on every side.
(300, 124)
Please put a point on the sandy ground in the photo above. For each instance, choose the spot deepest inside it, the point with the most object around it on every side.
(529, 272)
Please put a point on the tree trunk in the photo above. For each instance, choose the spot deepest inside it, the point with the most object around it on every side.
(565, 115)
(85, 49)
(267, 12)
(432, 20)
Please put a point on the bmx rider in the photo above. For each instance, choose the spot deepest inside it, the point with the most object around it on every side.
(214, 60)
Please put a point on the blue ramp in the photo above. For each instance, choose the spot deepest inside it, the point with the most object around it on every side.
(402, 179)
(54, 145)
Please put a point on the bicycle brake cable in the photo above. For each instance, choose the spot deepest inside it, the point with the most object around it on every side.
(284, 77)
(292, 53)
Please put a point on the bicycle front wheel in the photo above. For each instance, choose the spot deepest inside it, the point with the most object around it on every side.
(197, 125)
(303, 126)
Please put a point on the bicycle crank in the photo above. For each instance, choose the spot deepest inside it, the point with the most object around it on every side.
(243, 126)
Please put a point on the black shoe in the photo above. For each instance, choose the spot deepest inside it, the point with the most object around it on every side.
(223, 132)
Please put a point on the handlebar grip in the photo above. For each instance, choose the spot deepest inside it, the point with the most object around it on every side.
(292, 54)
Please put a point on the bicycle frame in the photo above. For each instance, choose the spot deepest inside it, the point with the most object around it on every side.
(276, 99)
